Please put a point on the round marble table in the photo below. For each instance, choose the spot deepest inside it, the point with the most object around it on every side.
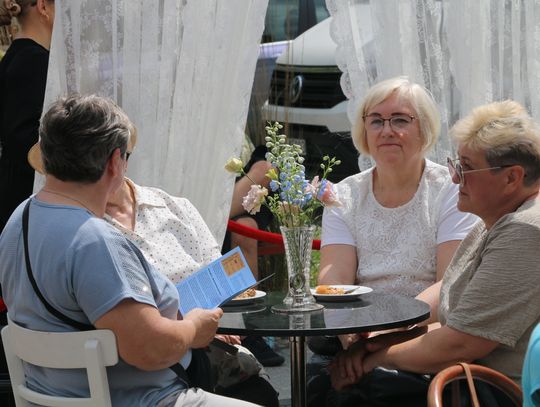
(368, 312)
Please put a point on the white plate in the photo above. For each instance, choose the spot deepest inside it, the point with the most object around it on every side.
(360, 289)
(244, 301)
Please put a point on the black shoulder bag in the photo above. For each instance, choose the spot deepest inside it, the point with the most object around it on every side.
(197, 373)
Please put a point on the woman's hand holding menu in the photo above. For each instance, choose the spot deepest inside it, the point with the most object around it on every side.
(206, 324)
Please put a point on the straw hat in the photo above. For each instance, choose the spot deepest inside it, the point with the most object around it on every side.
(34, 158)
(36, 162)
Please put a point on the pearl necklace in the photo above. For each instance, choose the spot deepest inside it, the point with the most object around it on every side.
(70, 198)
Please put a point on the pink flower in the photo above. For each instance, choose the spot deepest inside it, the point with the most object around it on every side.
(326, 192)
(254, 199)
(313, 187)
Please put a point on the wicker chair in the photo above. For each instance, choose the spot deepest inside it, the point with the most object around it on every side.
(463, 371)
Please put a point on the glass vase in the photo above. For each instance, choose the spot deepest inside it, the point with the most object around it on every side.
(298, 241)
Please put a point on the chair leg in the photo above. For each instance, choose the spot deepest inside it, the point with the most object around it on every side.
(15, 367)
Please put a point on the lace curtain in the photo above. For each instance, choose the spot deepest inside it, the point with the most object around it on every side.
(465, 52)
(183, 72)
(495, 51)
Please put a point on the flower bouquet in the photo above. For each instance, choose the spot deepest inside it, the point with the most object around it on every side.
(294, 202)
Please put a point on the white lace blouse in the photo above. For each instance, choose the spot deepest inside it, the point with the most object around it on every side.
(396, 247)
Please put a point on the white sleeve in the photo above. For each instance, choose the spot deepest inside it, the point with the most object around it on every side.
(453, 224)
(334, 228)
(208, 246)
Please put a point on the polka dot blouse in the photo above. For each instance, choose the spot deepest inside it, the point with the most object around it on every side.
(170, 232)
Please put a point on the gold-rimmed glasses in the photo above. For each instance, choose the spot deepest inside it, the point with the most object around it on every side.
(455, 168)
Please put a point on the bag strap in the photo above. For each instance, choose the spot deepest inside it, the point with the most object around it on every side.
(75, 324)
(470, 382)
(176, 368)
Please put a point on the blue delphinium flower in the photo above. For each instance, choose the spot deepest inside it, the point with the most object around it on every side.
(274, 185)
(295, 199)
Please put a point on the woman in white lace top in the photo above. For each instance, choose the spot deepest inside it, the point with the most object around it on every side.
(399, 225)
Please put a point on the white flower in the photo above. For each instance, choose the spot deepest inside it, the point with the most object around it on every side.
(234, 165)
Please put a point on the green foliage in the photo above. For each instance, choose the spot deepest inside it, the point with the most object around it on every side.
(276, 263)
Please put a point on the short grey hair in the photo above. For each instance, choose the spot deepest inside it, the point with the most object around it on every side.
(420, 99)
(79, 134)
(507, 135)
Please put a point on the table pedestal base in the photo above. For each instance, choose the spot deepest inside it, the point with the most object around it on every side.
(298, 371)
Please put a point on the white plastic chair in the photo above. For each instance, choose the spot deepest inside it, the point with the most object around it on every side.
(92, 350)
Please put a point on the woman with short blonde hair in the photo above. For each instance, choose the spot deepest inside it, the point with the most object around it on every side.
(399, 226)
(419, 98)
(509, 138)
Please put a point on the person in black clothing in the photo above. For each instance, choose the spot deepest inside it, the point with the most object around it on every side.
(23, 76)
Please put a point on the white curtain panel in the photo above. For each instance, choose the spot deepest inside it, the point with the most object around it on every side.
(182, 70)
(495, 51)
(465, 52)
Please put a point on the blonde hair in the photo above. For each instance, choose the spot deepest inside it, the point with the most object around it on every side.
(13, 8)
(419, 98)
(505, 132)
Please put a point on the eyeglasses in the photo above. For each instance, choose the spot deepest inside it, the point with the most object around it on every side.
(398, 122)
(455, 168)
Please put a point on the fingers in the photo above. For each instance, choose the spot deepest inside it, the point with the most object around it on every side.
(347, 367)
(230, 339)
(343, 367)
(338, 382)
(347, 340)
(353, 364)
(235, 340)
(344, 339)
(218, 312)
(206, 322)
(222, 338)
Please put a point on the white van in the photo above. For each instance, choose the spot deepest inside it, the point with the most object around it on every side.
(306, 96)
(284, 21)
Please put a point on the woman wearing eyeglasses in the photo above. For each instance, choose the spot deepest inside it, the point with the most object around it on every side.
(489, 299)
(399, 226)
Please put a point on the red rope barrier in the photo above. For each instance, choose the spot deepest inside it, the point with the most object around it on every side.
(262, 235)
